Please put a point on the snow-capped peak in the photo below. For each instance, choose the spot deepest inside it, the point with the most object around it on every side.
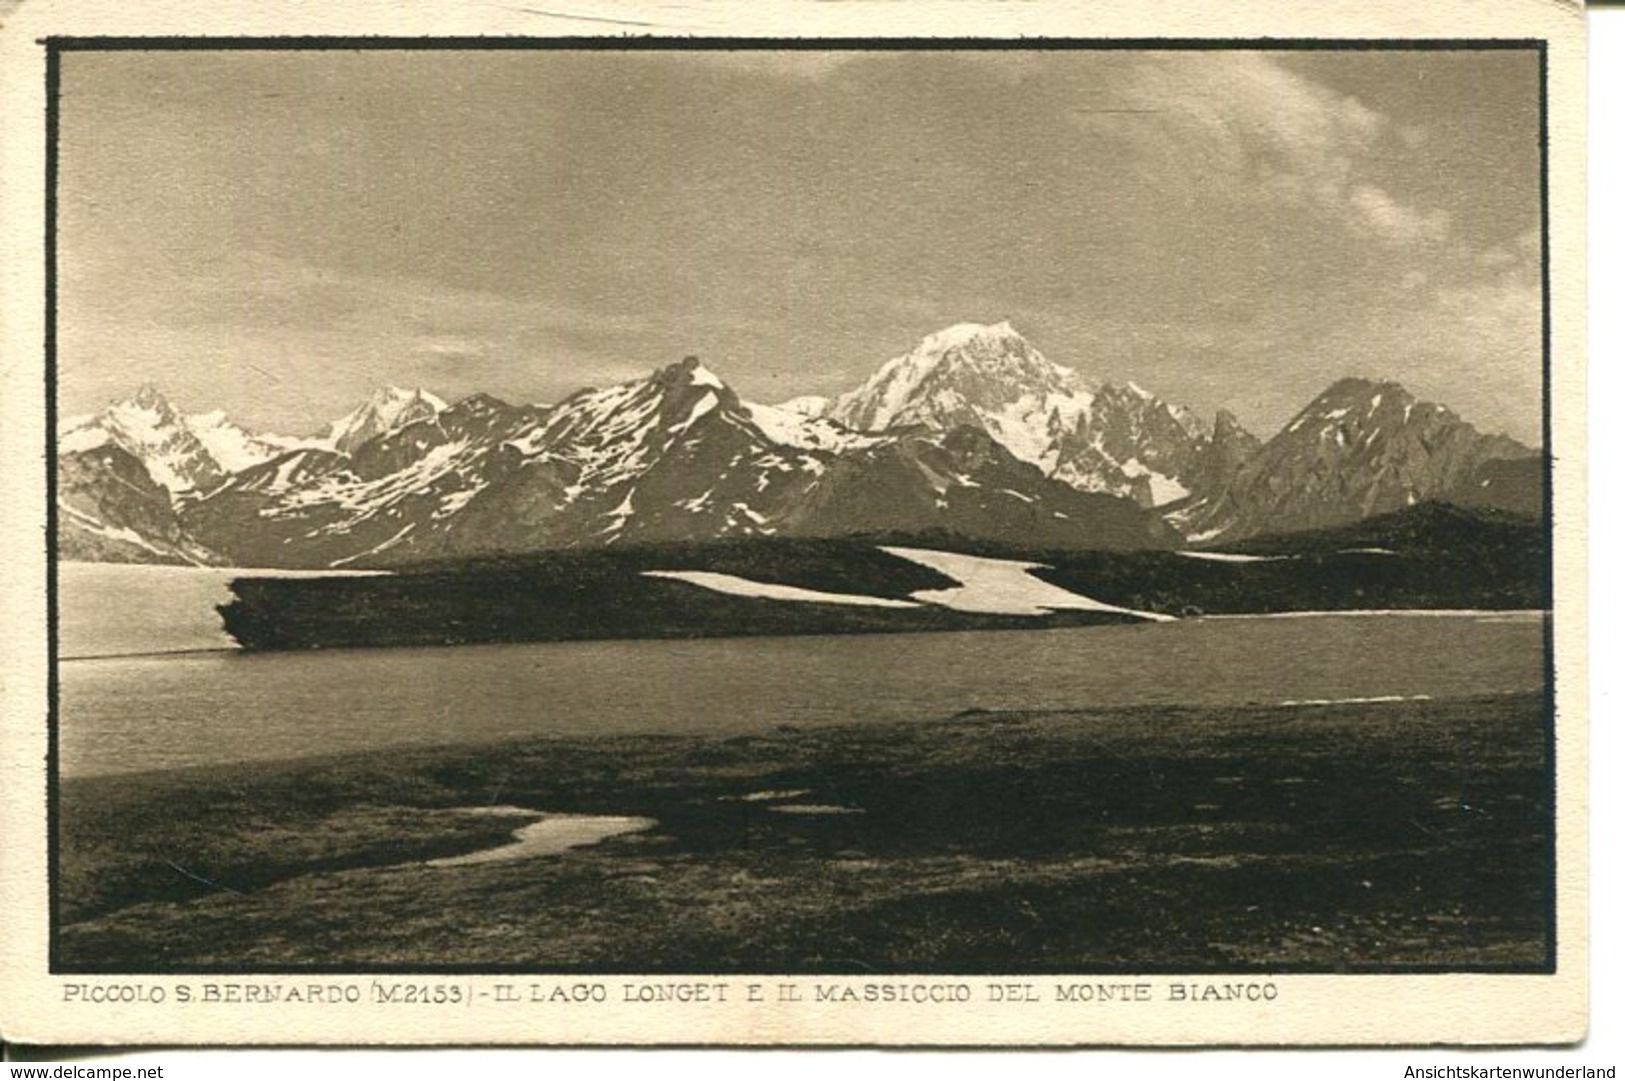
(1357, 401)
(701, 376)
(960, 335)
(146, 396)
(387, 409)
(392, 395)
(688, 372)
(233, 446)
(147, 427)
(960, 375)
(147, 408)
(974, 374)
(183, 453)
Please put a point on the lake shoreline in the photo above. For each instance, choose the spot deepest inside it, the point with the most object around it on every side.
(128, 715)
(1357, 836)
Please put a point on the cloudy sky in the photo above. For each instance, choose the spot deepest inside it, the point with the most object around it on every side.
(277, 233)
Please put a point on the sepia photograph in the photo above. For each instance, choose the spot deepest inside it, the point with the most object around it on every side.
(943, 522)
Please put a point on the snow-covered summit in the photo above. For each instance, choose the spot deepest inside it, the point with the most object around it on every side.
(387, 409)
(970, 373)
(961, 335)
(193, 453)
(181, 452)
(1097, 437)
(234, 447)
(701, 376)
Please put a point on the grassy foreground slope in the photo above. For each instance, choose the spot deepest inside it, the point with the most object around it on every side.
(1359, 837)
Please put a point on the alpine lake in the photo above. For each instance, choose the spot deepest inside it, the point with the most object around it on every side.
(1304, 792)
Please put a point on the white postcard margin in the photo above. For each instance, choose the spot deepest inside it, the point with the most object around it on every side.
(38, 1007)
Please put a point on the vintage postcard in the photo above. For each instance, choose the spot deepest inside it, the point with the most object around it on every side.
(794, 524)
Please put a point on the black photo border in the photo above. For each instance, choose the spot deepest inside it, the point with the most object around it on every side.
(57, 47)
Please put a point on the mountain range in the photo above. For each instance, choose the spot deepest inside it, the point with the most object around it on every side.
(972, 433)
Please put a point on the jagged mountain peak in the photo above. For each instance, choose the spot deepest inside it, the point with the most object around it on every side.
(390, 394)
(1134, 399)
(149, 428)
(1358, 403)
(387, 404)
(974, 427)
(480, 403)
(147, 407)
(992, 349)
(146, 396)
(1101, 437)
(1361, 447)
(688, 372)
(1355, 385)
(385, 410)
(1360, 391)
(961, 335)
(966, 374)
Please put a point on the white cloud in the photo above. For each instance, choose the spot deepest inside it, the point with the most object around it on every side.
(1395, 223)
(1266, 131)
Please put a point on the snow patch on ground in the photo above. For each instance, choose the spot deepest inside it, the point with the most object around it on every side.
(553, 834)
(697, 504)
(745, 587)
(1350, 701)
(353, 500)
(1001, 586)
(767, 794)
(1231, 557)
